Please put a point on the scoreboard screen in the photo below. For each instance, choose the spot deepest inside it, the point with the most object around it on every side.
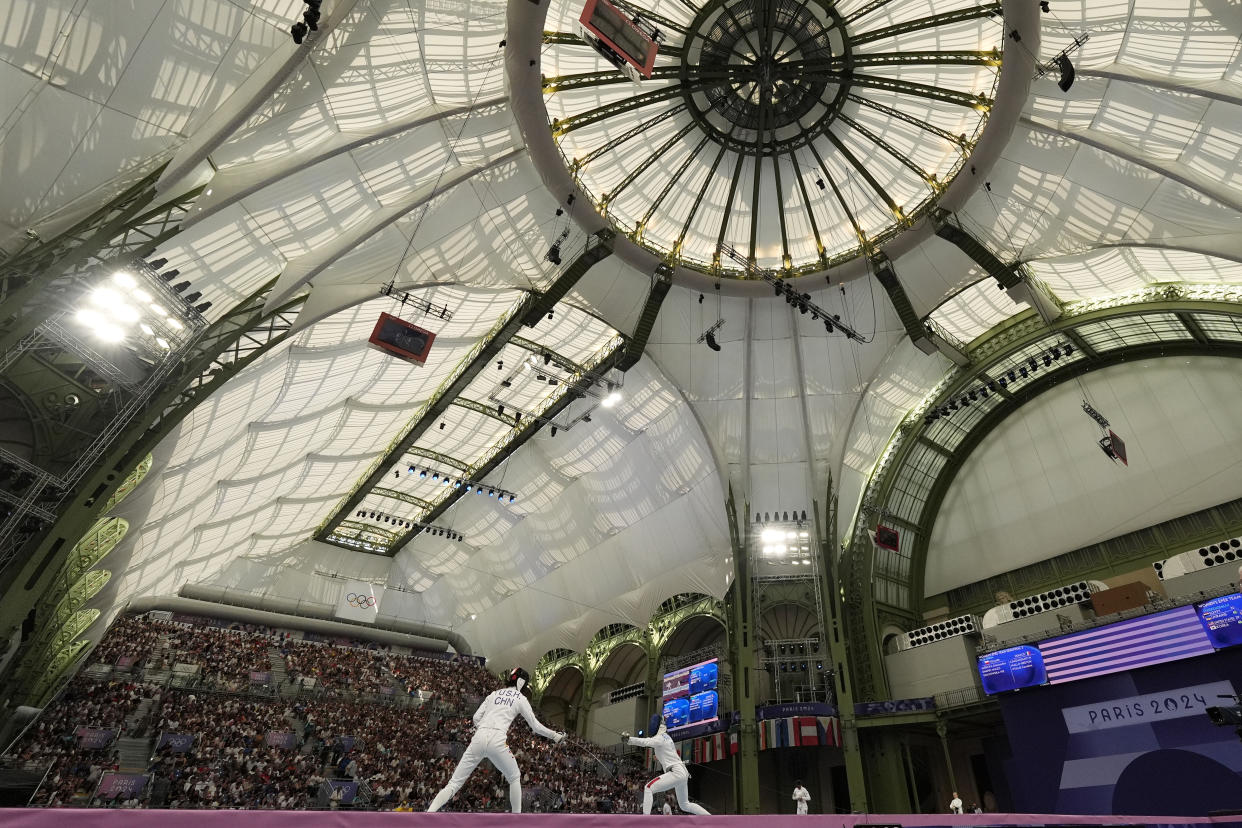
(1012, 669)
(690, 695)
(1222, 619)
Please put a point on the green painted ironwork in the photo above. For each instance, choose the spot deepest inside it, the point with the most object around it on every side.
(651, 638)
(230, 344)
(526, 311)
(94, 546)
(55, 639)
(1016, 335)
(129, 484)
(805, 63)
(62, 661)
(86, 588)
(485, 410)
(930, 22)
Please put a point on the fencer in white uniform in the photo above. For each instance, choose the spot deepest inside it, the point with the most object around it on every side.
(675, 775)
(801, 796)
(491, 726)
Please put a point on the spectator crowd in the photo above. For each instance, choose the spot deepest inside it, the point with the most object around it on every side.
(265, 752)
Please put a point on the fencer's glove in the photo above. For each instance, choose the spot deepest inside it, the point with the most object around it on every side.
(558, 738)
(625, 735)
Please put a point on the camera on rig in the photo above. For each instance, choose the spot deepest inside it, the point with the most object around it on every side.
(1227, 716)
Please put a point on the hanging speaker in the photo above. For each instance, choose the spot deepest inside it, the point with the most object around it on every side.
(1066, 68)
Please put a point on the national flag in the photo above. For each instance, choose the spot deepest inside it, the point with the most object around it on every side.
(832, 730)
(806, 730)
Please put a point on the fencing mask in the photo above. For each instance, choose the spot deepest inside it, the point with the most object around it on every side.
(518, 678)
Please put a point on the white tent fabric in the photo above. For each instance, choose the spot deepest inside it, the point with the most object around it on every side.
(389, 154)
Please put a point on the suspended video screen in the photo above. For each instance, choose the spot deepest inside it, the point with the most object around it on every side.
(616, 38)
(690, 696)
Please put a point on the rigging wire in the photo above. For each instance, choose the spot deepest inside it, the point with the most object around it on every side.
(452, 152)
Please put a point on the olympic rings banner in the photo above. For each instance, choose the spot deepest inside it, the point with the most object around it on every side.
(358, 602)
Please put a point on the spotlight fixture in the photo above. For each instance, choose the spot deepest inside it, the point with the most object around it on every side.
(980, 392)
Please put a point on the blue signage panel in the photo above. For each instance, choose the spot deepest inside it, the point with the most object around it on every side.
(1012, 669)
(1222, 618)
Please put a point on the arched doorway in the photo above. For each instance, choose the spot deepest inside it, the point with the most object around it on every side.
(558, 707)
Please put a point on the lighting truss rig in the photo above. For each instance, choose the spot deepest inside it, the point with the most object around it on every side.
(802, 301)
(419, 304)
(403, 523)
(457, 482)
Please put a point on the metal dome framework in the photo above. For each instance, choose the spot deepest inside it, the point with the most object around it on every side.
(804, 132)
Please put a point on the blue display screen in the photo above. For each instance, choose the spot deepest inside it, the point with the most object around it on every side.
(1222, 619)
(677, 713)
(703, 707)
(703, 677)
(1012, 669)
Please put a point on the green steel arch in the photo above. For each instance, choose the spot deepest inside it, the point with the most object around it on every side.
(651, 638)
(913, 474)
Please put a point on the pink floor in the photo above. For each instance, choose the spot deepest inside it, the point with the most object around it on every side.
(102, 818)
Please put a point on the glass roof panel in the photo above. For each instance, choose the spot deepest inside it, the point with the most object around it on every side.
(1134, 330)
(1219, 327)
(728, 77)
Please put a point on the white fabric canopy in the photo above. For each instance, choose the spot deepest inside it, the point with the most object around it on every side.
(389, 153)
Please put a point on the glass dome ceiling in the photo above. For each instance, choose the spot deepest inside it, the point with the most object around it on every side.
(801, 132)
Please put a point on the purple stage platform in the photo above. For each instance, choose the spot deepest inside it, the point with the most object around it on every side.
(119, 818)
